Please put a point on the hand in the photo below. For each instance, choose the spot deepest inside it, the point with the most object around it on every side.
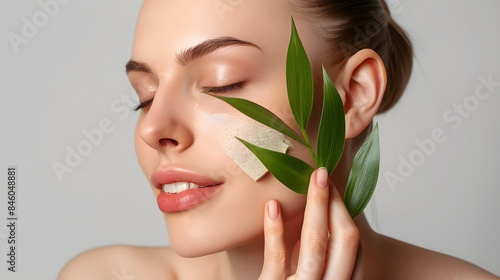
(329, 237)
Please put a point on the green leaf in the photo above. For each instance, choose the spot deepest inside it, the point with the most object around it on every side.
(262, 115)
(290, 171)
(295, 173)
(299, 80)
(363, 175)
(331, 134)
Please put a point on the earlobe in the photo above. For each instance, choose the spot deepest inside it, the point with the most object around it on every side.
(362, 84)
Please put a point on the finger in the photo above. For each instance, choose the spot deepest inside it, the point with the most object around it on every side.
(344, 240)
(274, 244)
(314, 236)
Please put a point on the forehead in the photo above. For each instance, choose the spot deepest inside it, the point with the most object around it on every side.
(167, 27)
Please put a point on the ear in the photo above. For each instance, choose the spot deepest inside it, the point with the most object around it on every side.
(361, 84)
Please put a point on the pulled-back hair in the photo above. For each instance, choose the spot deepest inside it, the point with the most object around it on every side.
(348, 26)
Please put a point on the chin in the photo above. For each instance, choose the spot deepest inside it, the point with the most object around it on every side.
(199, 247)
(196, 236)
(188, 251)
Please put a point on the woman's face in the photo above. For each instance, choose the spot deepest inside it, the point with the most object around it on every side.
(181, 51)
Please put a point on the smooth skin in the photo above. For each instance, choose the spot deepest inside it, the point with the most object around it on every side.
(332, 258)
(250, 230)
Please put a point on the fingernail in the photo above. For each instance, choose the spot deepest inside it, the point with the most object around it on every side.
(272, 209)
(322, 177)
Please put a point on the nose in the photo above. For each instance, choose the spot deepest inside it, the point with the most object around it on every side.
(166, 125)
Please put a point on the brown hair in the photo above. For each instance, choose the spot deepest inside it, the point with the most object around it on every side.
(348, 26)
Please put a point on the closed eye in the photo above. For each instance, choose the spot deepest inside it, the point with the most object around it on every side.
(215, 90)
(224, 89)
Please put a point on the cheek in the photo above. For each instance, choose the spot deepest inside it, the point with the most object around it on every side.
(229, 127)
(223, 129)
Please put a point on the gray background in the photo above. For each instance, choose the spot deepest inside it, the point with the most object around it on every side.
(68, 77)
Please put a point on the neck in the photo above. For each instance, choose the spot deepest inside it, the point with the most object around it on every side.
(368, 237)
(245, 262)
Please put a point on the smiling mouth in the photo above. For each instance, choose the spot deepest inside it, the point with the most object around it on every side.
(178, 187)
(182, 196)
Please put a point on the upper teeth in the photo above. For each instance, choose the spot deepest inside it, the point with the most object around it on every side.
(178, 187)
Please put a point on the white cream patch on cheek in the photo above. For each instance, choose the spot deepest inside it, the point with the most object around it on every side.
(229, 126)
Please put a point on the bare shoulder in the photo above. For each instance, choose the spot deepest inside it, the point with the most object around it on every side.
(120, 262)
(412, 262)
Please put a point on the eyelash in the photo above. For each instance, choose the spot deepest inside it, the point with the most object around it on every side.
(224, 89)
(143, 104)
(214, 90)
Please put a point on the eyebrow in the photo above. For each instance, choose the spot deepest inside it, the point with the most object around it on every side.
(137, 66)
(209, 46)
(192, 53)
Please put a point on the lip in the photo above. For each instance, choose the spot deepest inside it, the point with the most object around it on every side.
(189, 199)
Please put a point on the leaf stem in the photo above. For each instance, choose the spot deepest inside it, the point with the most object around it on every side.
(311, 150)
